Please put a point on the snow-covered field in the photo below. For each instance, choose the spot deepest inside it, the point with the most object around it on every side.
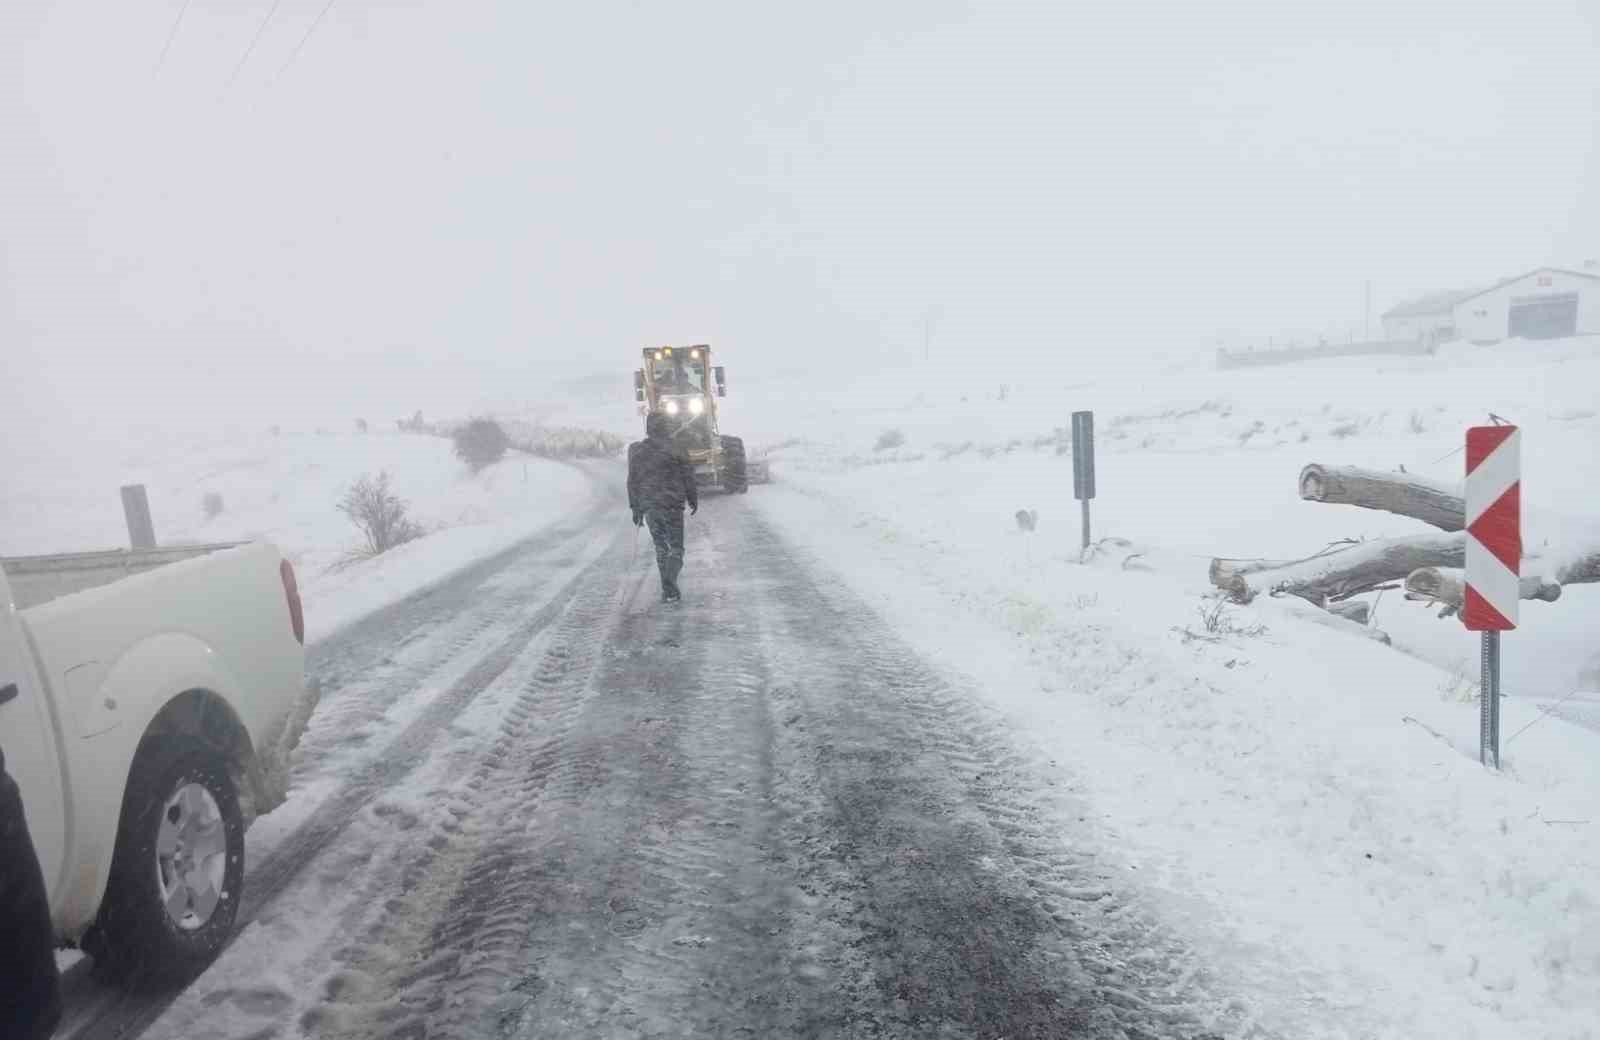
(1305, 803)
(285, 488)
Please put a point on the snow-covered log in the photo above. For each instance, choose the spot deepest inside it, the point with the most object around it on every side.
(1581, 569)
(1225, 572)
(1447, 585)
(1343, 573)
(1434, 502)
(1357, 610)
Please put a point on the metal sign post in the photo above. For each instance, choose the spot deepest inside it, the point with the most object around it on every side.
(1083, 465)
(1494, 560)
(136, 508)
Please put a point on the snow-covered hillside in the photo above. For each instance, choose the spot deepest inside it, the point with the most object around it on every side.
(1306, 801)
(285, 488)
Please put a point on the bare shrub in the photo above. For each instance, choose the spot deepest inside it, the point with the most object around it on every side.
(1217, 621)
(379, 514)
(889, 439)
(481, 443)
(1415, 423)
(211, 504)
(1344, 430)
(361, 426)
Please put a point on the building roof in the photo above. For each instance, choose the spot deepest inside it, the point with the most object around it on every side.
(1528, 274)
(1430, 303)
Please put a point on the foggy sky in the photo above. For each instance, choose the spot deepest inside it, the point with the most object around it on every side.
(446, 204)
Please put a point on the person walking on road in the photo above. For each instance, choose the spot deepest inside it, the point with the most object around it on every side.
(660, 482)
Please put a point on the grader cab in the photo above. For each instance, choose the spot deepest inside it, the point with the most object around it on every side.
(682, 384)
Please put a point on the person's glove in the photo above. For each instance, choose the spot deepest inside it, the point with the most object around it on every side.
(638, 518)
(694, 507)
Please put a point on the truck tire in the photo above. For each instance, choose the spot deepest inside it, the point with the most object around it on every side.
(178, 869)
(735, 473)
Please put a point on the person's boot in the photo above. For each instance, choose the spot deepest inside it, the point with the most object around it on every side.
(674, 567)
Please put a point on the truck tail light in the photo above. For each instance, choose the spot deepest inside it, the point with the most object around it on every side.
(291, 592)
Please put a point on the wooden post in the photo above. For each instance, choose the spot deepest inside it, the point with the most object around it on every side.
(136, 507)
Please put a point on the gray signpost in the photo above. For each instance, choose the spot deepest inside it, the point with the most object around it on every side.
(1083, 465)
(136, 507)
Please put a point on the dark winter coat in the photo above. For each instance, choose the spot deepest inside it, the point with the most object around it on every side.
(30, 994)
(659, 477)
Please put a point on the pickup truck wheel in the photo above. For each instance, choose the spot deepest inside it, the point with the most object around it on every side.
(178, 869)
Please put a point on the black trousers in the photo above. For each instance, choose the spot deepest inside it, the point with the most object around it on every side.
(30, 992)
(666, 530)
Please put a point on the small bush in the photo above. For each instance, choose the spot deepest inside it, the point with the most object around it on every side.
(1415, 424)
(481, 443)
(361, 426)
(1217, 621)
(379, 514)
(211, 504)
(889, 439)
(1344, 430)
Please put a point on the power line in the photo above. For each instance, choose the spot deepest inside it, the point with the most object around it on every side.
(307, 37)
(253, 41)
(171, 35)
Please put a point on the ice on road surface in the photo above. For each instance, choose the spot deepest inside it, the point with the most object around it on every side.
(757, 813)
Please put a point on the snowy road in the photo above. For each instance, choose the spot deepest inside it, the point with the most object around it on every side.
(535, 802)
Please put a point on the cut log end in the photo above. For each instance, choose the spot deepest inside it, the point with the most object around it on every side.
(1447, 586)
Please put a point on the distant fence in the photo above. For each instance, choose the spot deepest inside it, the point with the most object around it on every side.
(1289, 355)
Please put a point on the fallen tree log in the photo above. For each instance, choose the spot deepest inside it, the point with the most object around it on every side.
(1434, 502)
(1225, 570)
(1582, 569)
(1340, 574)
(1357, 610)
(1447, 586)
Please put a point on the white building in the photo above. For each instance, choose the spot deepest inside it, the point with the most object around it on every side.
(1546, 303)
(1431, 317)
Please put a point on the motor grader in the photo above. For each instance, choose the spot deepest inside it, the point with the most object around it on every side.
(682, 384)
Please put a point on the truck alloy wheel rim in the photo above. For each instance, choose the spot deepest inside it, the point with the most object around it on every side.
(191, 856)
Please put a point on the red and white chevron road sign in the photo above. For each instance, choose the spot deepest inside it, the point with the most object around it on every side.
(1494, 528)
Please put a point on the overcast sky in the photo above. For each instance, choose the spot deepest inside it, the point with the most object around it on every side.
(434, 204)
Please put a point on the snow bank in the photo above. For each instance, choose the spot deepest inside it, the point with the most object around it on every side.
(1305, 804)
(284, 488)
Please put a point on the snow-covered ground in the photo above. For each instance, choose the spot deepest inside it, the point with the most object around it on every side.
(1306, 804)
(1303, 804)
(285, 488)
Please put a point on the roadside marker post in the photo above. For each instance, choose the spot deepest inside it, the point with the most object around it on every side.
(136, 510)
(1083, 465)
(1493, 498)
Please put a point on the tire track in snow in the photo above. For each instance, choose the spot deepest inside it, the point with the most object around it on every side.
(636, 890)
(1050, 950)
(99, 1011)
(443, 944)
(762, 815)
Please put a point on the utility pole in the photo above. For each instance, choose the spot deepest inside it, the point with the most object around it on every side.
(1368, 311)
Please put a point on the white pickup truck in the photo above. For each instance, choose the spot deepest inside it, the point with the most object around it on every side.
(148, 709)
